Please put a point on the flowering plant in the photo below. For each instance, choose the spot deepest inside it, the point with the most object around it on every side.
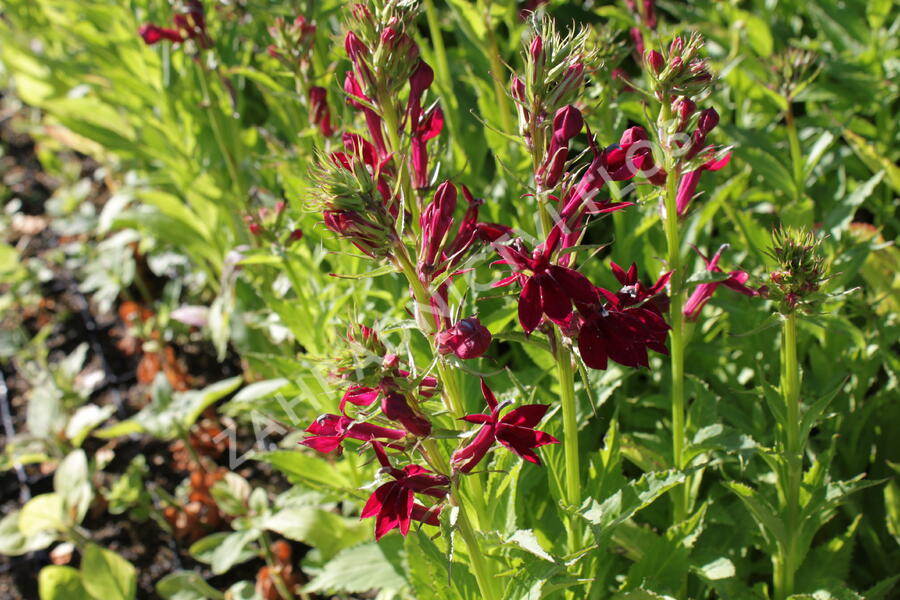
(454, 282)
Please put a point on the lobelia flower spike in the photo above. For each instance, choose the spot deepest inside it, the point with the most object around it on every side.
(393, 504)
(515, 430)
(703, 292)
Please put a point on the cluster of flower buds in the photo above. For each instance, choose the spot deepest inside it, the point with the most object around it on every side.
(554, 74)
(292, 42)
(383, 53)
(443, 249)
(292, 46)
(693, 155)
(353, 192)
(189, 23)
(267, 223)
(800, 271)
(680, 71)
(793, 70)
(733, 280)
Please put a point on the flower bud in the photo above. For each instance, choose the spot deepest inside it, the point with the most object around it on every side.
(567, 123)
(655, 61)
(395, 407)
(517, 88)
(537, 48)
(708, 120)
(467, 339)
(677, 46)
(355, 47)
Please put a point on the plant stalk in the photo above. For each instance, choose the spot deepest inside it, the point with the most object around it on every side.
(570, 435)
(785, 562)
(796, 153)
(676, 342)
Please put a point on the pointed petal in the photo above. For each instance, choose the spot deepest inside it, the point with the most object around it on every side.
(528, 415)
(530, 306)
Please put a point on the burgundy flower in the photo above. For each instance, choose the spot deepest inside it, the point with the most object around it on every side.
(328, 431)
(467, 339)
(703, 292)
(358, 100)
(690, 180)
(547, 289)
(634, 292)
(515, 430)
(615, 328)
(319, 114)
(423, 126)
(394, 505)
(618, 162)
(153, 34)
(189, 25)
(395, 407)
(567, 123)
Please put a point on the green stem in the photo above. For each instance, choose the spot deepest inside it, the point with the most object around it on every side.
(392, 124)
(483, 574)
(785, 561)
(570, 436)
(796, 153)
(676, 341)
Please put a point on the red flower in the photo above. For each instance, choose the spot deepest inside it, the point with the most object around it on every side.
(704, 291)
(547, 289)
(467, 339)
(319, 114)
(690, 180)
(394, 505)
(567, 123)
(153, 34)
(634, 292)
(622, 326)
(395, 407)
(515, 430)
(328, 431)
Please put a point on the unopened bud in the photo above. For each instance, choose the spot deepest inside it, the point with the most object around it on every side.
(655, 61)
(708, 120)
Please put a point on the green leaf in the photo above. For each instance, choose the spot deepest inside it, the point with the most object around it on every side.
(892, 509)
(61, 583)
(107, 575)
(43, 513)
(326, 531)
(225, 550)
(626, 502)
(765, 516)
(71, 481)
(14, 543)
(527, 540)
(370, 566)
(301, 467)
(186, 585)
(231, 494)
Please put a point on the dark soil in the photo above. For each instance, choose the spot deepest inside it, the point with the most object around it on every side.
(75, 319)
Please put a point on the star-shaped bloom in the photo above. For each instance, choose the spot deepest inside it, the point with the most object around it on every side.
(328, 431)
(393, 504)
(515, 430)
